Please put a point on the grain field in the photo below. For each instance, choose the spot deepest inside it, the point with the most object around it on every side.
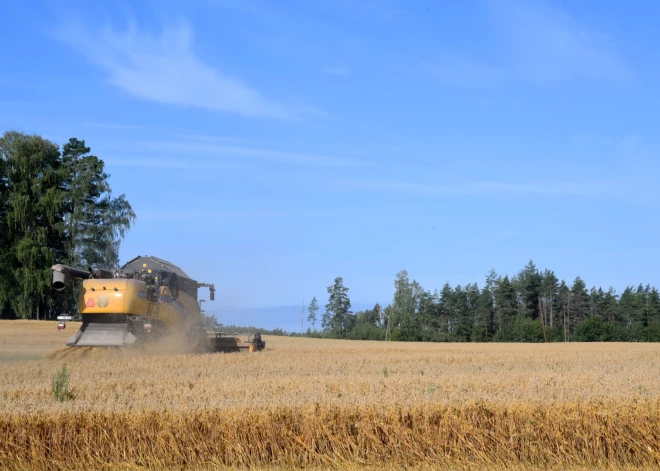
(328, 403)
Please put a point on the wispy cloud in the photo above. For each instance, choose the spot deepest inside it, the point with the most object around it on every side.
(542, 44)
(163, 68)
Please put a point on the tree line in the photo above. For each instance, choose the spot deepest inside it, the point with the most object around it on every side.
(56, 206)
(532, 306)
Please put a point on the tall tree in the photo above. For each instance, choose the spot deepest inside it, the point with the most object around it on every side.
(485, 325)
(579, 304)
(469, 314)
(338, 316)
(609, 308)
(5, 253)
(641, 305)
(95, 222)
(491, 280)
(549, 297)
(445, 308)
(404, 299)
(596, 299)
(627, 307)
(405, 306)
(313, 309)
(429, 315)
(33, 214)
(654, 306)
(530, 281)
(564, 296)
(506, 304)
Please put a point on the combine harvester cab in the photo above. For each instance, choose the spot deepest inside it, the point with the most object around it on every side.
(145, 299)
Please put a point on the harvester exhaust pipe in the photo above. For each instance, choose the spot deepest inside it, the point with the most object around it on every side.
(60, 277)
(62, 274)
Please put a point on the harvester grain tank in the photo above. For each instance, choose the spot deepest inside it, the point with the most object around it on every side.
(147, 298)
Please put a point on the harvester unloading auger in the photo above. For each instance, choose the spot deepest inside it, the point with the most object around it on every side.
(145, 299)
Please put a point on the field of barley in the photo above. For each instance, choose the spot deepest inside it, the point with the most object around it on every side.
(309, 403)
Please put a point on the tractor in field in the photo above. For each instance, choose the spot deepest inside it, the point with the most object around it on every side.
(146, 299)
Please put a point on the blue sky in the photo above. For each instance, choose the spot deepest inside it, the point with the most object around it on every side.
(270, 147)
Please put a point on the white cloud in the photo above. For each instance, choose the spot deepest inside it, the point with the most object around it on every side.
(541, 44)
(163, 68)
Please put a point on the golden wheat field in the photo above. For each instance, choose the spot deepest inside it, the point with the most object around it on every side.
(309, 403)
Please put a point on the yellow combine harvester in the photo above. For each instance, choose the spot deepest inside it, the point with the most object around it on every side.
(145, 299)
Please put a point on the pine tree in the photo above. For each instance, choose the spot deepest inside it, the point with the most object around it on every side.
(460, 314)
(506, 304)
(549, 298)
(469, 314)
(95, 221)
(313, 309)
(596, 297)
(609, 308)
(641, 305)
(445, 307)
(338, 317)
(428, 317)
(627, 308)
(530, 282)
(654, 306)
(491, 280)
(579, 306)
(485, 326)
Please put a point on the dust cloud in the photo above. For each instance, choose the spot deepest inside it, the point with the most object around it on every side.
(173, 344)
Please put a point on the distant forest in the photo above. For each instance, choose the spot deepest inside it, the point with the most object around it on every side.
(532, 306)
